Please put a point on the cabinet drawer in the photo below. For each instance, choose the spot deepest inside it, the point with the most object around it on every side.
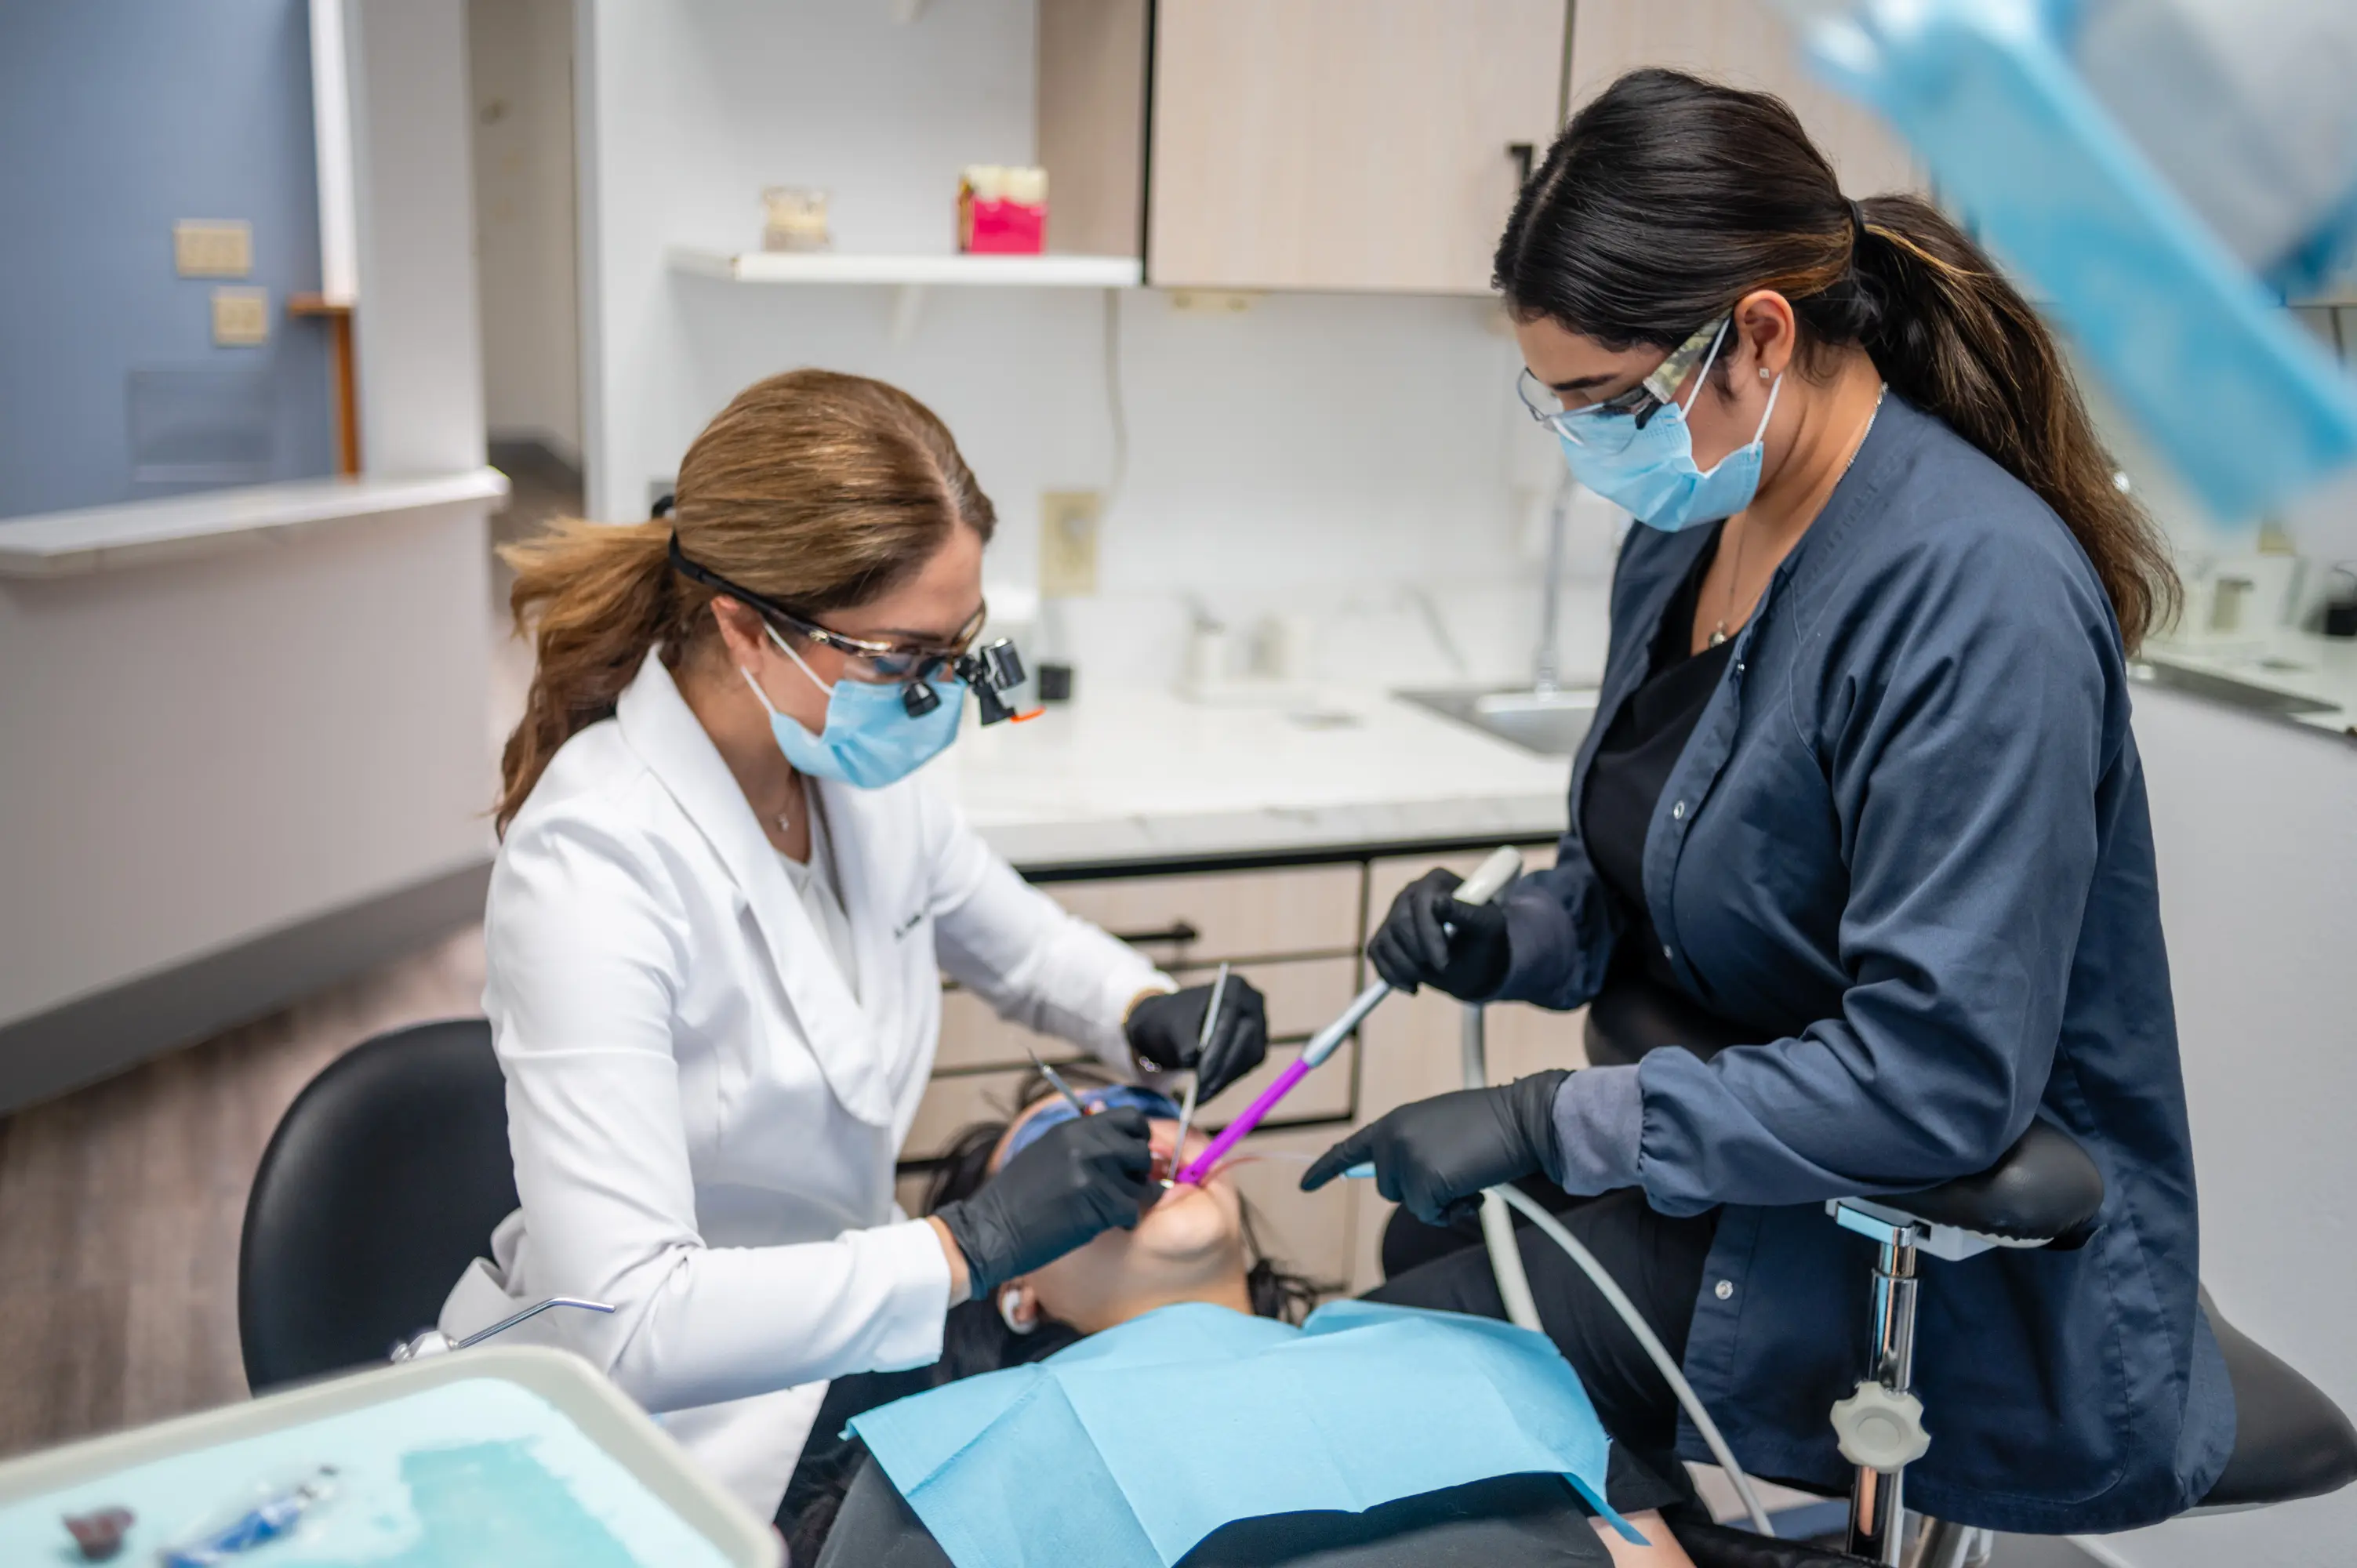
(1308, 1232)
(1324, 1095)
(1204, 917)
(1302, 995)
(1387, 877)
(951, 1105)
(954, 1102)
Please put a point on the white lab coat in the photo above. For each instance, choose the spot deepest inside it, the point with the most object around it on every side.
(704, 1118)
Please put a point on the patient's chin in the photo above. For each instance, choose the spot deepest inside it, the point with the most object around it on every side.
(1189, 1223)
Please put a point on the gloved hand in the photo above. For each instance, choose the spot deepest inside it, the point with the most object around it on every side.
(1164, 1031)
(1075, 1180)
(1436, 1156)
(1409, 948)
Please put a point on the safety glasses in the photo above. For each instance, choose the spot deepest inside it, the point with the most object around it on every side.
(1609, 425)
(1157, 1107)
(919, 670)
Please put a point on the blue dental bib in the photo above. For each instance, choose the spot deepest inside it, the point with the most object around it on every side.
(1079, 1459)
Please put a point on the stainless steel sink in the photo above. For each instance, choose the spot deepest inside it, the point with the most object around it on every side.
(1551, 723)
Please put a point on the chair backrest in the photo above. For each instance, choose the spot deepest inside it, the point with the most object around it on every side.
(384, 1179)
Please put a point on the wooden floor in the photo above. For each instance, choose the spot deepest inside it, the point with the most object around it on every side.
(120, 1207)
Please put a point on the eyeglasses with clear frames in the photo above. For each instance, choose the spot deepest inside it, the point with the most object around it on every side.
(1607, 426)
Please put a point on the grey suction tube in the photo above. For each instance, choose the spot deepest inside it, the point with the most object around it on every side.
(1514, 1284)
(1552, 1228)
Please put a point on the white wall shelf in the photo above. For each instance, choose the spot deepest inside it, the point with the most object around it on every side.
(911, 275)
(919, 272)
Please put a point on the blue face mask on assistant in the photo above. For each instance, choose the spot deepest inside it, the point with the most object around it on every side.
(1157, 1107)
(869, 740)
(1645, 464)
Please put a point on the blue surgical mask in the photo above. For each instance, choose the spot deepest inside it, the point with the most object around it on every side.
(1648, 469)
(869, 740)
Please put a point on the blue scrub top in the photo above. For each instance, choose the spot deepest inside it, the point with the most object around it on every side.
(1908, 844)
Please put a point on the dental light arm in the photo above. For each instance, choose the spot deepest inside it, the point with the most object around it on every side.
(2160, 175)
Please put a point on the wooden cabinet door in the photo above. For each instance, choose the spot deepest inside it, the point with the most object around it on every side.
(1744, 43)
(1343, 143)
(1412, 1048)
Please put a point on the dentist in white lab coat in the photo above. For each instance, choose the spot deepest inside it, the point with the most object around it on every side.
(718, 923)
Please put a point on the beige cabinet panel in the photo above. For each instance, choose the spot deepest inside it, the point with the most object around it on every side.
(1309, 1233)
(1323, 1096)
(1413, 1048)
(952, 1104)
(974, 1036)
(1343, 143)
(1746, 44)
(1092, 115)
(1387, 877)
(1302, 995)
(1239, 914)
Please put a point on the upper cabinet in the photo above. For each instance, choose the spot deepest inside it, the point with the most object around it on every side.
(1344, 143)
(1364, 144)
(1744, 43)
(1371, 144)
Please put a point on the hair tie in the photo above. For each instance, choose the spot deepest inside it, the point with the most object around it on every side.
(1856, 224)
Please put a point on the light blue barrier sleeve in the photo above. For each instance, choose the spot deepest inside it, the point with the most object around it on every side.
(1077, 1459)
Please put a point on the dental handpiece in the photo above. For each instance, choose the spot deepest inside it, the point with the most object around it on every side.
(1489, 879)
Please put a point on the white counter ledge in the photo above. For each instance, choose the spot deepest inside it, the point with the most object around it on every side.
(1144, 776)
(96, 539)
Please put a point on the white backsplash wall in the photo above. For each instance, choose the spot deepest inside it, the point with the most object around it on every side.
(1331, 447)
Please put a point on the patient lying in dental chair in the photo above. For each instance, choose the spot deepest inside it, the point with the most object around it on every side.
(1219, 1335)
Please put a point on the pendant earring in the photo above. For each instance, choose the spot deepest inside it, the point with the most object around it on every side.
(1010, 1301)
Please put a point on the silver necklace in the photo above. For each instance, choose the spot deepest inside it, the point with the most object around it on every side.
(1718, 633)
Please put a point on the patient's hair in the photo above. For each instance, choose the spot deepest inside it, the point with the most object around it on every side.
(819, 490)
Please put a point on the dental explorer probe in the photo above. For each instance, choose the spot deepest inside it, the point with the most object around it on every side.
(1504, 864)
(1056, 1082)
(1195, 1078)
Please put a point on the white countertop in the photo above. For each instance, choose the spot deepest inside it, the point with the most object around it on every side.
(2299, 664)
(1144, 775)
(95, 539)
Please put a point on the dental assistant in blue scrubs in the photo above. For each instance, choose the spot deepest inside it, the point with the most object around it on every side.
(1862, 796)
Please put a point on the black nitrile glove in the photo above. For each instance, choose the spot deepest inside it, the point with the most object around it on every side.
(1164, 1030)
(1077, 1179)
(1409, 948)
(1436, 1156)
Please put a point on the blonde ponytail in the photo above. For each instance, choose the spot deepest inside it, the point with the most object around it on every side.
(818, 490)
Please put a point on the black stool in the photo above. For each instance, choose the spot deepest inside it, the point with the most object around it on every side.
(384, 1179)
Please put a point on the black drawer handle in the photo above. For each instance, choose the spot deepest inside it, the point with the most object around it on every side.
(1180, 932)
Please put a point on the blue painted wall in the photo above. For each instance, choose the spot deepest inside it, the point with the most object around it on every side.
(118, 117)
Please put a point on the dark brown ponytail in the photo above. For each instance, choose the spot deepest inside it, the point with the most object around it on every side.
(816, 490)
(1669, 198)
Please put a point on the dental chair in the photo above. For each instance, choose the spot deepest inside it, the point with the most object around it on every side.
(2290, 1441)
